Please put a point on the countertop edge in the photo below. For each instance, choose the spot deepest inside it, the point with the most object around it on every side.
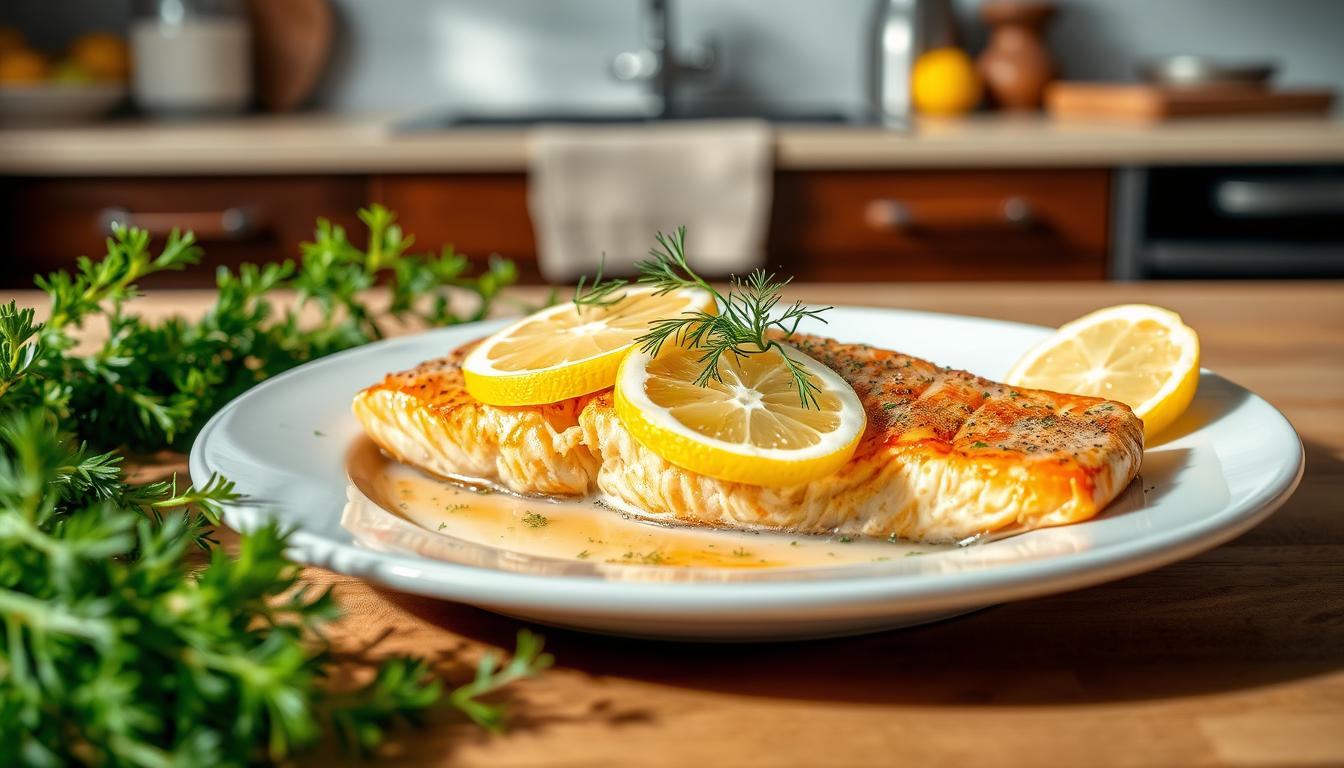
(344, 146)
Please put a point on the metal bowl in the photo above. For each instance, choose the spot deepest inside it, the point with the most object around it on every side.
(1188, 71)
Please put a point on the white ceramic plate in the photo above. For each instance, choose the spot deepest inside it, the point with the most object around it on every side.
(1226, 465)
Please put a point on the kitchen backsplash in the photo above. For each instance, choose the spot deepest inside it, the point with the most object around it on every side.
(408, 55)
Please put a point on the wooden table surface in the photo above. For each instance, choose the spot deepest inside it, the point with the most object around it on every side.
(1235, 657)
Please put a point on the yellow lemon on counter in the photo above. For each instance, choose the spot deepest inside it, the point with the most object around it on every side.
(1140, 355)
(944, 82)
(103, 56)
(71, 73)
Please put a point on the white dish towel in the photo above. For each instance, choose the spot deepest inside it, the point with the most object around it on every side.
(598, 190)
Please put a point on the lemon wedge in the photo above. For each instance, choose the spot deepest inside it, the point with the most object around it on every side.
(750, 427)
(569, 350)
(1140, 355)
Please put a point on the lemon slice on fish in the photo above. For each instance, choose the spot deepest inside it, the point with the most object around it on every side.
(1137, 354)
(569, 350)
(750, 427)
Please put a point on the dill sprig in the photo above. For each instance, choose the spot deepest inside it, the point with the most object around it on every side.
(747, 313)
(599, 293)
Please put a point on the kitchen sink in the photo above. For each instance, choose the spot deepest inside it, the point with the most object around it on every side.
(482, 119)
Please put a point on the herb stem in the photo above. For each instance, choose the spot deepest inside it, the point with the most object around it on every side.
(740, 327)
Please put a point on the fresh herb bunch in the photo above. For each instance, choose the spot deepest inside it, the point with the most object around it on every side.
(152, 386)
(747, 314)
(117, 647)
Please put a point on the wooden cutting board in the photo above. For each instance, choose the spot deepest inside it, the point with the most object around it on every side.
(291, 42)
(1151, 102)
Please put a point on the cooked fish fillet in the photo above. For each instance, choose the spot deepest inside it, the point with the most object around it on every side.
(946, 455)
(424, 417)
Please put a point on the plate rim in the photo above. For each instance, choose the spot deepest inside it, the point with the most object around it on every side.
(961, 589)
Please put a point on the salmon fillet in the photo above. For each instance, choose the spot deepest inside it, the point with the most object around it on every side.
(946, 455)
(424, 417)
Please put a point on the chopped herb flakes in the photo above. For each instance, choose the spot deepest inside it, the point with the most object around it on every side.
(653, 557)
(536, 520)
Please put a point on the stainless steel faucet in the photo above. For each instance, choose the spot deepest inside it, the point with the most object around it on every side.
(658, 62)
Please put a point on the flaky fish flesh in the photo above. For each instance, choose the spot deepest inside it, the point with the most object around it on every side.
(946, 454)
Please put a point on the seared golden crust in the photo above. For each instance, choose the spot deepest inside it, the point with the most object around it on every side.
(946, 455)
(425, 417)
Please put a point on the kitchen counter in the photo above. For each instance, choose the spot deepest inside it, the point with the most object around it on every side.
(1234, 657)
(335, 144)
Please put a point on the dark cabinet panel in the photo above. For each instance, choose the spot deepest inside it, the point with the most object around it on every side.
(825, 226)
(48, 222)
(479, 214)
(941, 225)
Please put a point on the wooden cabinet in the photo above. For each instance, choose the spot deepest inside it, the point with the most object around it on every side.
(834, 226)
(941, 225)
(49, 222)
(479, 214)
(826, 225)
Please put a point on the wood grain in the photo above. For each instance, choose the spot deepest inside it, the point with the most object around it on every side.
(1235, 657)
(291, 44)
(952, 223)
(959, 222)
(1151, 102)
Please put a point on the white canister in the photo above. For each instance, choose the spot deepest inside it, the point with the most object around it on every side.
(187, 62)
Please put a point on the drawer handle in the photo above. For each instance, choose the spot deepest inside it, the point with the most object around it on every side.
(892, 215)
(231, 224)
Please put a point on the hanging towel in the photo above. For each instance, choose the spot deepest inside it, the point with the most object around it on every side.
(596, 190)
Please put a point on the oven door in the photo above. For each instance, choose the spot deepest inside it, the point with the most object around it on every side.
(1221, 222)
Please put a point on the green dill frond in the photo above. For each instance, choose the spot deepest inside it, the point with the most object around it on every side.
(599, 293)
(747, 314)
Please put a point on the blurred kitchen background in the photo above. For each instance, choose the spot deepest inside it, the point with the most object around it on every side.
(835, 140)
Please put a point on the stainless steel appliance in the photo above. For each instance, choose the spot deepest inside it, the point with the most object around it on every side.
(1229, 222)
(903, 29)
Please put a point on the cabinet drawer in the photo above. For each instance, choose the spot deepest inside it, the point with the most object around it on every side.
(479, 214)
(51, 221)
(941, 225)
